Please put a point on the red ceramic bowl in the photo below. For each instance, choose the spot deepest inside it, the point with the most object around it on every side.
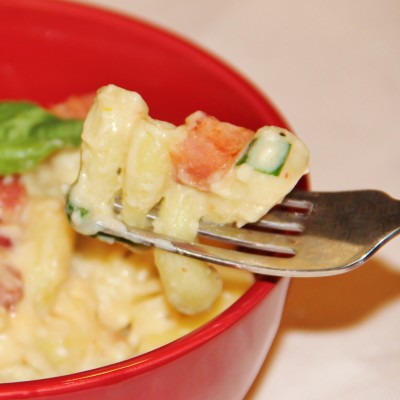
(51, 49)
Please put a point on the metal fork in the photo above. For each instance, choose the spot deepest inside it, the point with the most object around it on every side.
(309, 234)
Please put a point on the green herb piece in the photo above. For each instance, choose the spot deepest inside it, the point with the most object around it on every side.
(266, 153)
(71, 208)
(29, 134)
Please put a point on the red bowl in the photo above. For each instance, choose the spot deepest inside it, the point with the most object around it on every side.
(52, 49)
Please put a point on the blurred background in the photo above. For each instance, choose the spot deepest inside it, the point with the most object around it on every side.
(333, 70)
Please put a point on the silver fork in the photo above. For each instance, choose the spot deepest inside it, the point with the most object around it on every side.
(309, 234)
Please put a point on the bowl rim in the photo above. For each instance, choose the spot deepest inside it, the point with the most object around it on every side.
(178, 348)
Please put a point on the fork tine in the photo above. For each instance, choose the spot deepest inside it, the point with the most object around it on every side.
(247, 238)
(284, 221)
(262, 241)
(288, 216)
(300, 199)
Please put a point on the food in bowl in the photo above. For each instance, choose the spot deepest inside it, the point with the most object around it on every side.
(58, 287)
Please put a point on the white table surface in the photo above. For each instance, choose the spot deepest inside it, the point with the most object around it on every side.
(333, 69)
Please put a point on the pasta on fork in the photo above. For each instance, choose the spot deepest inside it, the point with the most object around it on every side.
(202, 169)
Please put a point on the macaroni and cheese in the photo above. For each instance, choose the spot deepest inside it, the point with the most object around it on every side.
(70, 302)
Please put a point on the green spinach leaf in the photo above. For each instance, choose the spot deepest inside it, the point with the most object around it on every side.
(29, 134)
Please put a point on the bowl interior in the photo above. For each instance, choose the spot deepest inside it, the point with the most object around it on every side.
(52, 49)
